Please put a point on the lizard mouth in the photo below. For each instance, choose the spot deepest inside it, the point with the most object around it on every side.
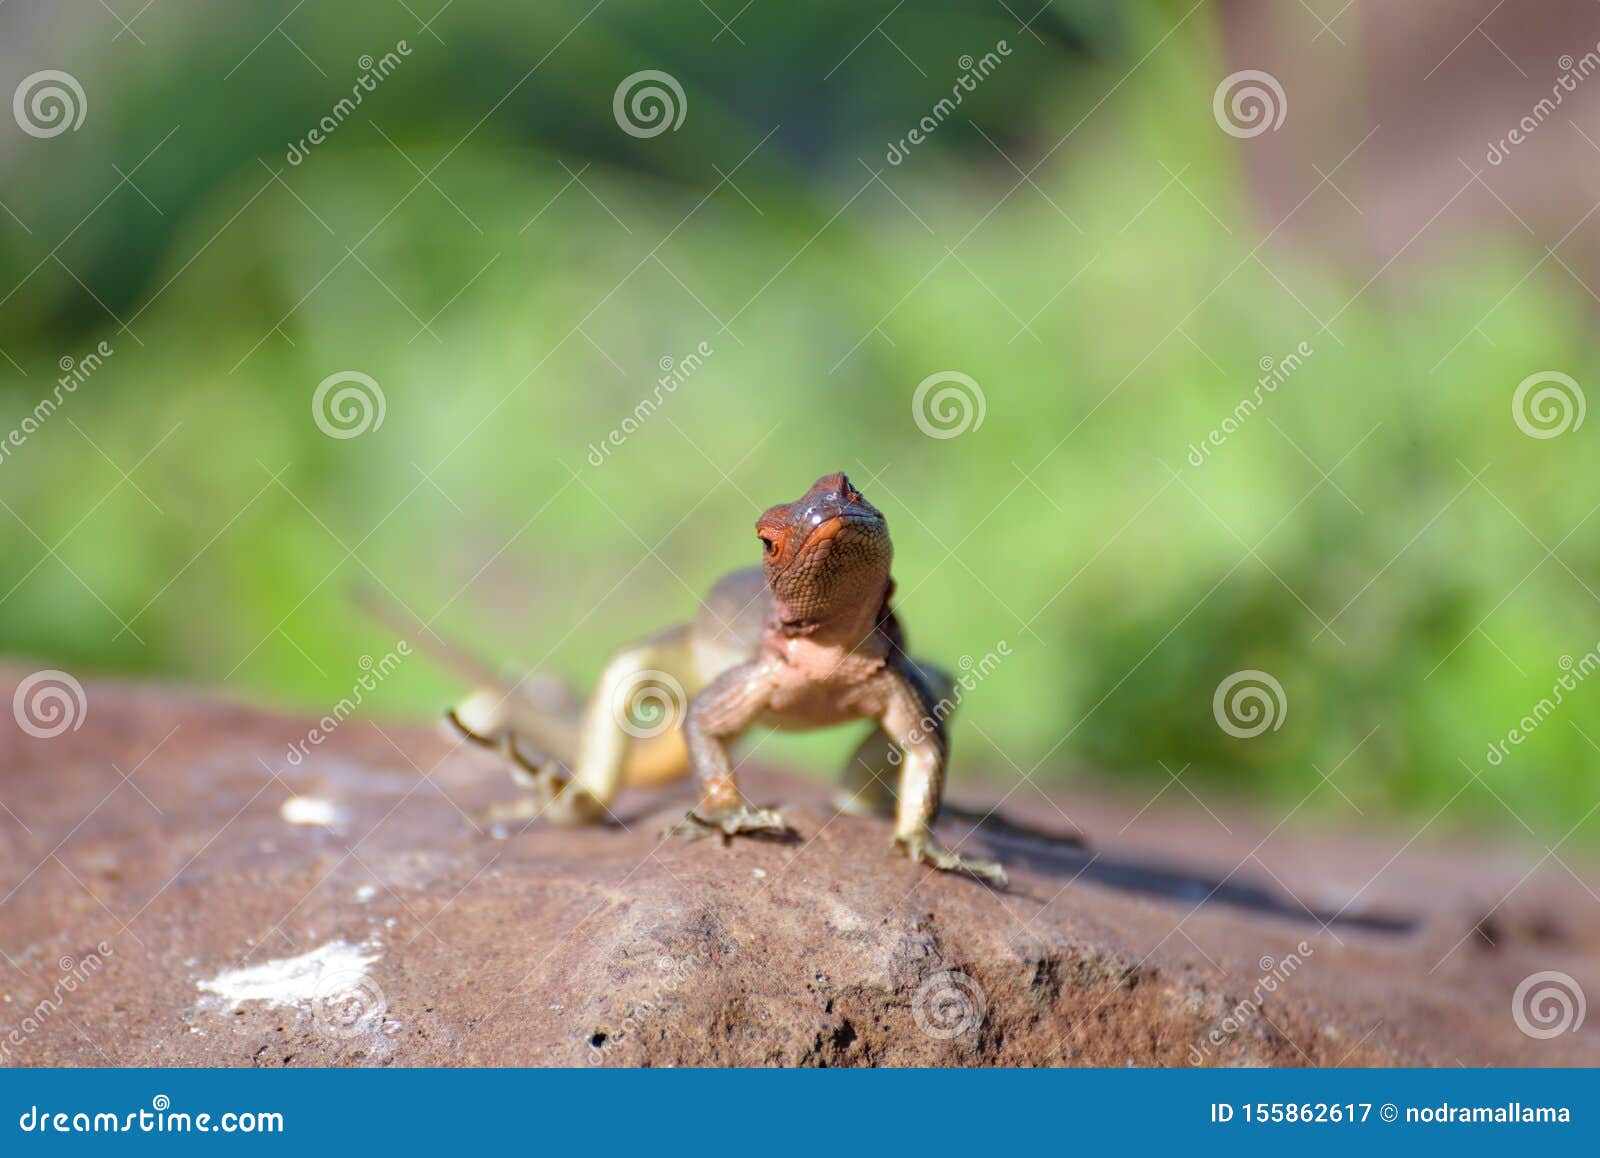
(831, 507)
(823, 531)
(826, 525)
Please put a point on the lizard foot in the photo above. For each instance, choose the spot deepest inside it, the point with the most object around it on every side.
(562, 803)
(924, 849)
(569, 806)
(733, 820)
(555, 797)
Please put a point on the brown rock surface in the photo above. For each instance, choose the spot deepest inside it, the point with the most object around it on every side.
(150, 847)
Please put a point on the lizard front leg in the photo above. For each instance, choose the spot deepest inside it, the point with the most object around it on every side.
(727, 706)
(911, 720)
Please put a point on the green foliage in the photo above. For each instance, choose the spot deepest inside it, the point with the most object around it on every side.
(514, 315)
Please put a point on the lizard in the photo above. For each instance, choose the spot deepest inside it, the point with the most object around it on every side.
(809, 639)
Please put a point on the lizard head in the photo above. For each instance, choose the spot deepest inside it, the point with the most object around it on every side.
(827, 554)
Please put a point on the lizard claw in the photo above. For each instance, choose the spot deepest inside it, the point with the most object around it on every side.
(737, 820)
(924, 849)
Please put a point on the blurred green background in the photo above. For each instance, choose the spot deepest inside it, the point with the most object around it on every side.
(1079, 237)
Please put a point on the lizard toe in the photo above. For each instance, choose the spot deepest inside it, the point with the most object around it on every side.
(925, 850)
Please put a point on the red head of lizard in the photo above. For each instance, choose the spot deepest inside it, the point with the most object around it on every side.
(826, 555)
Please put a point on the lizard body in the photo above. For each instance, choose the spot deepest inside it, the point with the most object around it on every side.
(808, 640)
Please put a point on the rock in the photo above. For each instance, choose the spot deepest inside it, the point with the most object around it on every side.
(176, 892)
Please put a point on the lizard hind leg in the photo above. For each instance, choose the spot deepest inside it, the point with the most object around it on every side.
(627, 733)
(536, 709)
(541, 774)
(915, 719)
(631, 732)
(867, 787)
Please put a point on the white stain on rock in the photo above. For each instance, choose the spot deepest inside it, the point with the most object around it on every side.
(311, 810)
(292, 981)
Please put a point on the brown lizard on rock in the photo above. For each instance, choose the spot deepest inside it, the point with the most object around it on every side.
(808, 640)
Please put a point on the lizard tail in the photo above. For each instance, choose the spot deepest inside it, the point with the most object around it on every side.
(551, 720)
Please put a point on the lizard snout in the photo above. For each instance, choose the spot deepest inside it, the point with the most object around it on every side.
(832, 497)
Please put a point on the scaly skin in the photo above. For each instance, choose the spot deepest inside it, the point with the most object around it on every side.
(808, 642)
